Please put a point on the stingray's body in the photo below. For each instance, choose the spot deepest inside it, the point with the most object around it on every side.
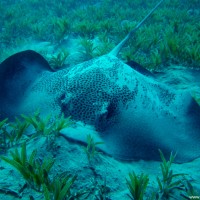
(132, 114)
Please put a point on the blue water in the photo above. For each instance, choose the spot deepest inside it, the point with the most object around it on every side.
(151, 103)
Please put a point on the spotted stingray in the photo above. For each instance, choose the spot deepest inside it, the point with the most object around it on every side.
(132, 113)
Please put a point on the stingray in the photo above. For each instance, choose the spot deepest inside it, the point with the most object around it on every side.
(132, 113)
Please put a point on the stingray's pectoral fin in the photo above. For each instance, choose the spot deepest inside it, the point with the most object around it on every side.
(17, 73)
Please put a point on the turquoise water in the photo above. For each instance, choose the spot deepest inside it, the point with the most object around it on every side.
(123, 107)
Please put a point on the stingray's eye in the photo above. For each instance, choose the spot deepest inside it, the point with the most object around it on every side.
(106, 118)
(111, 110)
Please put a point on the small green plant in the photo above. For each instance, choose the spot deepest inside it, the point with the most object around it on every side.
(61, 28)
(189, 190)
(88, 51)
(196, 97)
(91, 150)
(193, 54)
(3, 142)
(61, 123)
(3, 123)
(105, 47)
(137, 185)
(39, 30)
(128, 54)
(11, 133)
(164, 52)
(48, 125)
(32, 170)
(169, 184)
(106, 25)
(36, 173)
(173, 44)
(17, 130)
(156, 59)
(127, 26)
(85, 28)
(58, 61)
(170, 187)
(60, 187)
(40, 125)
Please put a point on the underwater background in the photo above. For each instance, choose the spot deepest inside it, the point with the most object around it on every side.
(170, 36)
(36, 163)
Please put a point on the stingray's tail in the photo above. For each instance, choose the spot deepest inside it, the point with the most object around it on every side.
(117, 49)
